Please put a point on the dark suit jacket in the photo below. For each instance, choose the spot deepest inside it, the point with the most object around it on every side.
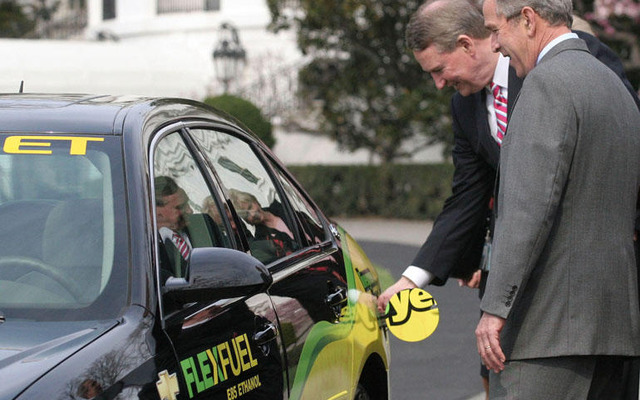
(455, 244)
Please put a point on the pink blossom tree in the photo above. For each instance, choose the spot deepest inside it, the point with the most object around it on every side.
(617, 23)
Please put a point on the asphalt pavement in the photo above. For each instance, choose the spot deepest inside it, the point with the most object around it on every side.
(444, 366)
(399, 231)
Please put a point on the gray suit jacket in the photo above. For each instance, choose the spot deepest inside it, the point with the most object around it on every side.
(563, 269)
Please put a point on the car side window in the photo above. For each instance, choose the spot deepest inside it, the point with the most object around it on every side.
(187, 215)
(269, 228)
(311, 224)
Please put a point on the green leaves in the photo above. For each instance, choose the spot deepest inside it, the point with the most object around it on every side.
(14, 23)
(248, 113)
(374, 94)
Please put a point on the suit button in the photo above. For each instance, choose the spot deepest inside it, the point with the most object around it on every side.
(508, 304)
(514, 287)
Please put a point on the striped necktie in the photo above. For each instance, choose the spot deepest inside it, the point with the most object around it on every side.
(500, 105)
(181, 244)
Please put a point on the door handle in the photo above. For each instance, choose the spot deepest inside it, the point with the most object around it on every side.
(266, 333)
(336, 299)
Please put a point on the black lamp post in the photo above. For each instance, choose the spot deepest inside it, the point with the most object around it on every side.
(228, 56)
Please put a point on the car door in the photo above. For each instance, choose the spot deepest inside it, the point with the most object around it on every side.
(327, 354)
(224, 349)
(284, 231)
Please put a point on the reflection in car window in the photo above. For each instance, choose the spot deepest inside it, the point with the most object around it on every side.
(187, 216)
(266, 224)
(306, 214)
(61, 247)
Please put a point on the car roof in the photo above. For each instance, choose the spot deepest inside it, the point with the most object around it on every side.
(96, 114)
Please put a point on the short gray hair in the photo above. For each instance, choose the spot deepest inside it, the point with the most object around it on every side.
(555, 12)
(441, 24)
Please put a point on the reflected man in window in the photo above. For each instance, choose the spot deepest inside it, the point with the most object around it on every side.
(172, 209)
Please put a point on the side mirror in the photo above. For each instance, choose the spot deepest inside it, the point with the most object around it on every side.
(218, 273)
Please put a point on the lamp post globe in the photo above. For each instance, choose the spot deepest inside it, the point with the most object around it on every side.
(228, 56)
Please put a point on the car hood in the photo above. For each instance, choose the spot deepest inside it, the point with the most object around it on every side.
(29, 349)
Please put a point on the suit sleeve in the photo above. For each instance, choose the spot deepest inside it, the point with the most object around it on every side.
(454, 246)
(534, 168)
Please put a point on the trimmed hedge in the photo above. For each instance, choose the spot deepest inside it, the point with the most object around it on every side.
(408, 191)
(246, 112)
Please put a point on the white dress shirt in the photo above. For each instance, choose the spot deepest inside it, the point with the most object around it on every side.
(501, 78)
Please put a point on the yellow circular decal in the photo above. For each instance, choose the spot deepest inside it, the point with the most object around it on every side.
(412, 315)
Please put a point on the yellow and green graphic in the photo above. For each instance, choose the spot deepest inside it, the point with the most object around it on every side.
(412, 315)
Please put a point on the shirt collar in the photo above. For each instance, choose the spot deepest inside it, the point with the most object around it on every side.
(554, 42)
(501, 74)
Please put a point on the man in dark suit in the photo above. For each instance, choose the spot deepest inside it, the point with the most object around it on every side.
(172, 210)
(450, 42)
(560, 310)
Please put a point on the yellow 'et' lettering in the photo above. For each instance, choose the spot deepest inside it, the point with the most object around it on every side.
(26, 144)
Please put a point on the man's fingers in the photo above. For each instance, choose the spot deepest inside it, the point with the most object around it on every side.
(401, 284)
(488, 342)
(474, 282)
(492, 356)
(382, 302)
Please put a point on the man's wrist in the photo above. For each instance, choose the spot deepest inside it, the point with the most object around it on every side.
(418, 276)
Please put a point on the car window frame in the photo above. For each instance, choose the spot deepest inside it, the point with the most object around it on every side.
(214, 183)
(309, 252)
(281, 169)
(288, 209)
(280, 268)
(214, 179)
(212, 186)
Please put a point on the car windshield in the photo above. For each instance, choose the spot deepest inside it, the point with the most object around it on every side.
(63, 234)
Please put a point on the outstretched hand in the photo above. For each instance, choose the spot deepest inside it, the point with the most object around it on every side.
(402, 284)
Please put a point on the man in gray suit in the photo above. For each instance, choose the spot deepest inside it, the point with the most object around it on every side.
(560, 311)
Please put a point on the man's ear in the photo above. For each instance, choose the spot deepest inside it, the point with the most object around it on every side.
(466, 43)
(529, 20)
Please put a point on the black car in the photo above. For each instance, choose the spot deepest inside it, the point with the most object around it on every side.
(154, 249)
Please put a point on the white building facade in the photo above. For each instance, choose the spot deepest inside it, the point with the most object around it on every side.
(149, 47)
(165, 48)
